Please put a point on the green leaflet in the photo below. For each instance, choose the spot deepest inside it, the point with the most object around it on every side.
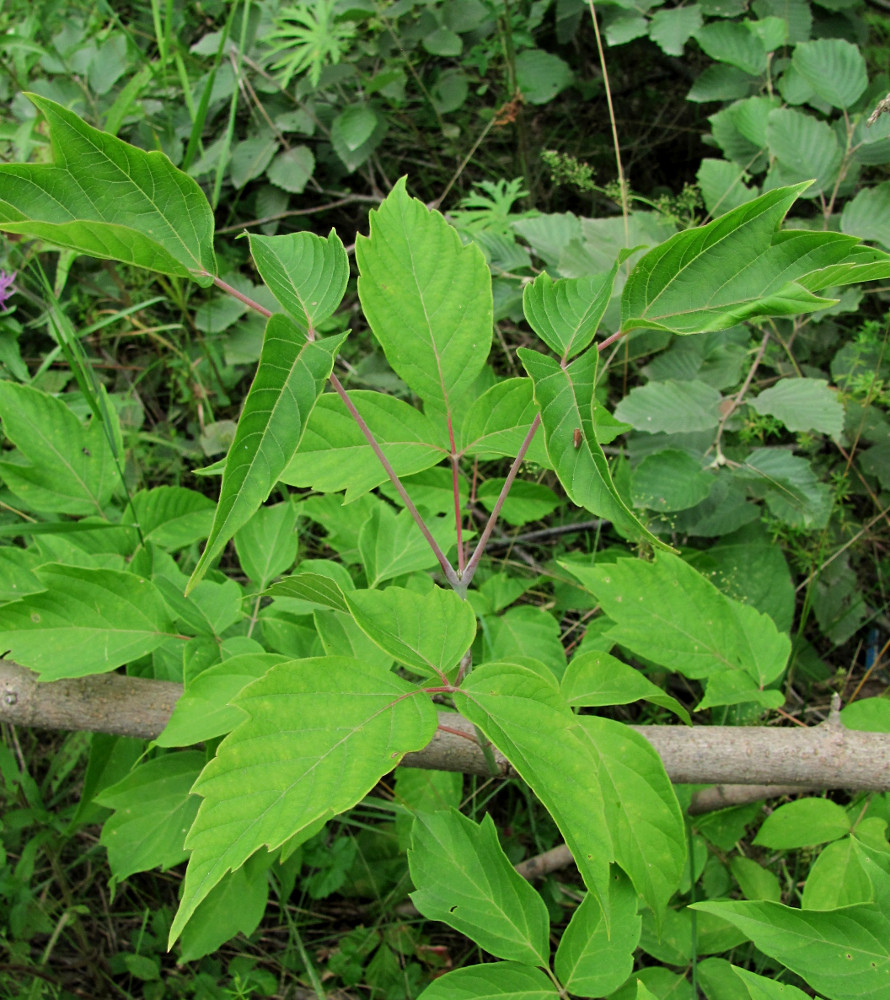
(567, 404)
(464, 879)
(391, 544)
(60, 466)
(427, 632)
(566, 313)
(843, 954)
(495, 981)
(669, 613)
(87, 621)
(742, 266)
(318, 734)
(334, 454)
(523, 714)
(267, 544)
(103, 197)
(291, 374)
(590, 961)
(426, 297)
(497, 422)
(762, 988)
(641, 808)
(307, 274)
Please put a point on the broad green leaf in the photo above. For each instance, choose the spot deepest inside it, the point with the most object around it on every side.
(267, 543)
(525, 501)
(87, 621)
(792, 490)
(418, 279)
(540, 75)
(755, 881)
(340, 636)
(739, 267)
(834, 68)
(722, 185)
(153, 808)
(671, 407)
(60, 467)
(498, 421)
(203, 712)
(566, 314)
(669, 613)
(335, 455)
(173, 516)
(670, 480)
(496, 981)
(592, 960)
(803, 823)
(391, 544)
(641, 809)
(528, 720)
(871, 715)
(234, 906)
(594, 679)
(718, 981)
(868, 214)
(419, 790)
(671, 29)
(251, 157)
(836, 878)
(464, 879)
(427, 632)
(289, 380)
(565, 398)
(734, 42)
(802, 404)
(720, 82)
(319, 734)
(804, 147)
(314, 588)
(307, 274)
(761, 988)
(525, 631)
(717, 359)
(844, 954)
(105, 198)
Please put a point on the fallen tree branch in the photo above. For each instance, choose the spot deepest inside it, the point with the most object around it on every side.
(823, 756)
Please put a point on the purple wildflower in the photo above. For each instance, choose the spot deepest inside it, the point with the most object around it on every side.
(7, 289)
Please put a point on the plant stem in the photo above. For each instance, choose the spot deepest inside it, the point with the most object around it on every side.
(470, 571)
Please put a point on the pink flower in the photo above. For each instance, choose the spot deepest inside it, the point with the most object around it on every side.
(7, 289)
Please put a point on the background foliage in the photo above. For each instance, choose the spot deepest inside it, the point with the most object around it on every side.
(758, 448)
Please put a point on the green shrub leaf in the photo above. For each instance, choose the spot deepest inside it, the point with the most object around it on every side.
(291, 375)
(741, 266)
(834, 68)
(591, 960)
(87, 621)
(464, 879)
(306, 274)
(318, 734)
(495, 981)
(103, 197)
(802, 404)
(522, 712)
(567, 404)
(803, 823)
(418, 278)
(427, 632)
(844, 954)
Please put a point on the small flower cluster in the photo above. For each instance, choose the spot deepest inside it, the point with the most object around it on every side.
(7, 289)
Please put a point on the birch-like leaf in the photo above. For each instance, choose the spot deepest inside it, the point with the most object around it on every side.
(87, 621)
(427, 632)
(742, 267)
(565, 398)
(426, 296)
(319, 734)
(495, 981)
(525, 717)
(105, 198)
(289, 380)
(307, 274)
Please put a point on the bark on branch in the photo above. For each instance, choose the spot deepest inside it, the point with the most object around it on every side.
(823, 756)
